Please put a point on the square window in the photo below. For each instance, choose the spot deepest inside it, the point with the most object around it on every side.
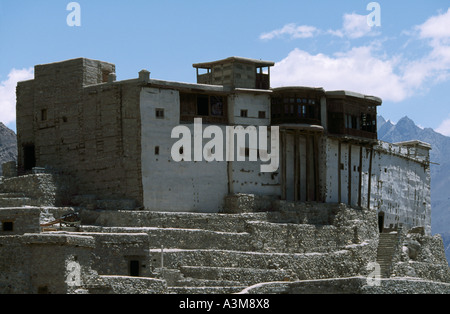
(159, 113)
(244, 113)
(8, 226)
(262, 114)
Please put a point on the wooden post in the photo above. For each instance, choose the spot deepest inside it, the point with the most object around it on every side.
(283, 165)
(339, 173)
(296, 167)
(349, 201)
(360, 176)
(370, 178)
(308, 170)
(316, 168)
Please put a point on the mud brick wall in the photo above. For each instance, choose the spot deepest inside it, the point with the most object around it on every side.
(82, 125)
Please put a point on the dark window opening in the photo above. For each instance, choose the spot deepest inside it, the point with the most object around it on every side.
(381, 222)
(8, 226)
(244, 113)
(105, 75)
(262, 114)
(134, 268)
(159, 113)
(29, 157)
(203, 105)
(216, 106)
(44, 115)
(156, 150)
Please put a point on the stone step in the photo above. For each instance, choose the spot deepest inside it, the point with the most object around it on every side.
(385, 252)
(214, 222)
(11, 194)
(15, 202)
(204, 290)
(184, 238)
(306, 265)
(246, 276)
(175, 258)
(195, 282)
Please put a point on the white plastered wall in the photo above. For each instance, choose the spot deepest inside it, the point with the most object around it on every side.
(399, 188)
(169, 185)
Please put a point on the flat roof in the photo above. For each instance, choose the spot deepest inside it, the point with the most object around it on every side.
(414, 143)
(258, 63)
(298, 88)
(345, 93)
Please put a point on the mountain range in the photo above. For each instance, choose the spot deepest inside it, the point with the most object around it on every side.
(404, 130)
(8, 145)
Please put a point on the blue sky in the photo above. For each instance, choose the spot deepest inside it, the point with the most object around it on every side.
(405, 61)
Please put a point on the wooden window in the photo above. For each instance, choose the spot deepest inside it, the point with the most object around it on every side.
(211, 108)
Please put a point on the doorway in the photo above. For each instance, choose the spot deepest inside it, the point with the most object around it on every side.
(29, 157)
(381, 222)
(134, 268)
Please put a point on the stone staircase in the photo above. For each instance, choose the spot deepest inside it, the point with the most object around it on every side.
(387, 246)
(204, 253)
(14, 200)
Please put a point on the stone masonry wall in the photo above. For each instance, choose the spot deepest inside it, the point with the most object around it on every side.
(421, 256)
(42, 189)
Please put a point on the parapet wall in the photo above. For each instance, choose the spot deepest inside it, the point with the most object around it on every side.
(42, 189)
(421, 256)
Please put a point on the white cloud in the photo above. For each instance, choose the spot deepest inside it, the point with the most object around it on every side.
(8, 93)
(444, 128)
(293, 31)
(365, 70)
(356, 70)
(435, 66)
(353, 26)
(436, 27)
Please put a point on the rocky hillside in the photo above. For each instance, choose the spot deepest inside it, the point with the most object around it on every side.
(8, 145)
(405, 130)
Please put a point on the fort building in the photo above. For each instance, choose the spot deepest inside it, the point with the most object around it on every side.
(97, 204)
(114, 139)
